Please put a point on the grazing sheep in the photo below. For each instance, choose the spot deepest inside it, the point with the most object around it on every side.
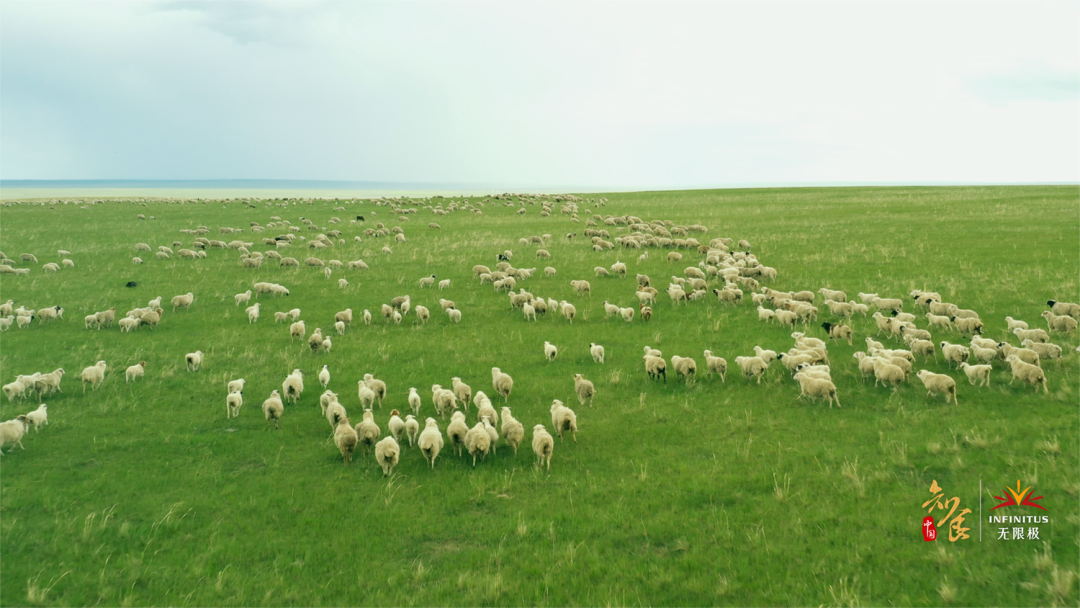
(253, 312)
(655, 367)
(454, 314)
(627, 314)
(597, 352)
(427, 281)
(368, 431)
(456, 431)
(446, 304)
(550, 351)
(423, 314)
(568, 310)
(94, 375)
(378, 386)
(938, 383)
(478, 442)
(273, 408)
(243, 298)
(136, 260)
(1027, 372)
(685, 367)
(581, 287)
(977, 372)
(512, 430)
(954, 353)
(293, 386)
(127, 324)
(344, 316)
(232, 405)
(324, 376)
(12, 431)
(134, 372)
(297, 330)
(502, 383)
(194, 360)
(444, 284)
(563, 420)
(412, 429)
(38, 417)
(183, 301)
(367, 317)
(387, 452)
(315, 340)
(717, 365)
(584, 389)
(839, 332)
(1060, 323)
(345, 438)
(462, 391)
(431, 440)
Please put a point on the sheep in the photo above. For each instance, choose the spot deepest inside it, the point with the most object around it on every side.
(183, 301)
(127, 324)
(886, 372)
(1060, 323)
(768, 356)
(584, 389)
(387, 452)
(835, 296)
(905, 317)
(396, 425)
(105, 318)
(243, 298)
(345, 438)
(367, 317)
(597, 352)
(454, 314)
(427, 281)
(236, 386)
(938, 383)
(512, 430)
(543, 446)
(975, 373)
(685, 367)
(502, 383)
(1027, 373)
(655, 367)
(293, 386)
(253, 312)
(412, 429)
(456, 431)
(581, 287)
(817, 387)
(1035, 335)
(297, 330)
(954, 353)
(38, 417)
(28, 257)
(563, 419)
(431, 440)
(324, 376)
(839, 332)
(717, 365)
(550, 351)
(367, 431)
(627, 314)
(786, 317)
(478, 442)
(315, 340)
(378, 386)
(1044, 350)
(610, 309)
(50, 314)
(232, 405)
(968, 325)
(983, 355)
(134, 372)
(273, 408)
(462, 391)
(908, 331)
(277, 290)
(888, 304)
(414, 401)
(194, 360)
(94, 375)
(1064, 308)
(923, 348)
(568, 310)
(493, 434)
(12, 431)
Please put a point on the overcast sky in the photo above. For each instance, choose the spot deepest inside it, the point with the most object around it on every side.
(542, 93)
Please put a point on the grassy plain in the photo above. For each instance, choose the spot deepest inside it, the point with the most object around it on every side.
(714, 494)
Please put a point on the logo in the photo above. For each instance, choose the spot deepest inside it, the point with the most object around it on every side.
(1018, 498)
(956, 528)
(929, 532)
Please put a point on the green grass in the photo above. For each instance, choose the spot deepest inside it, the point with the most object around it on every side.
(715, 494)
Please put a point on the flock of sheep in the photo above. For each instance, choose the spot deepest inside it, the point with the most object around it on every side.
(724, 269)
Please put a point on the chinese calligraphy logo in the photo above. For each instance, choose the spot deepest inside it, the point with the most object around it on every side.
(957, 531)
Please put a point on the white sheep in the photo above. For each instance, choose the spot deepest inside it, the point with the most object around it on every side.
(1044, 350)
(339, 327)
(1060, 323)
(273, 409)
(685, 367)
(454, 314)
(456, 431)
(396, 426)
(584, 389)
(938, 383)
(1064, 308)
(512, 430)
(543, 446)
(563, 420)
(568, 311)
(431, 441)
(194, 360)
(1015, 323)
(94, 375)
(345, 438)
(376, 385)
(184, 301)
(597, 352)
(444, 284)
(368, 431)
(243, 298)
(423, 314)
(293, 386)
(1027, 372)
(550, 351)
(817, 386)
(134, 372)
(975, 373)
(12, 431)
(387, 452)
(885, 371)
(502, 383)
(253, 312)
(478, 442)
(297, 330)
(427, 281)
(412, 429)
(462, 391)
(365, 394)
(655, 367)
(768, 356)
(324, 376)
(954, 353)
(414, 401)
(232, 405)
(493, 434)
(38, 417)
(367, 317)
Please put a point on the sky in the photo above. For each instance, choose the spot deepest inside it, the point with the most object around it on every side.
(598, 94)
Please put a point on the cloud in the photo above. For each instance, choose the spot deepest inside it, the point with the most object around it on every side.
(1030, 81)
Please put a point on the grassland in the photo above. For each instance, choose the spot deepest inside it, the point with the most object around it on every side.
(714, 494)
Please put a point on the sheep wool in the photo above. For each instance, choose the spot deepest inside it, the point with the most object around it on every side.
(584, 389)
(478, 442)
(273, 408)
(194, 360)
(543, 446)
(345, 439)
(412, 429)
(597, 352)
(387, 452)
(563, 420)
(232, 405)
(513, 431)
(12, 431)
(937, 383)
(367, 431)
(456, 431)
(550, 351)
(134, 372)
